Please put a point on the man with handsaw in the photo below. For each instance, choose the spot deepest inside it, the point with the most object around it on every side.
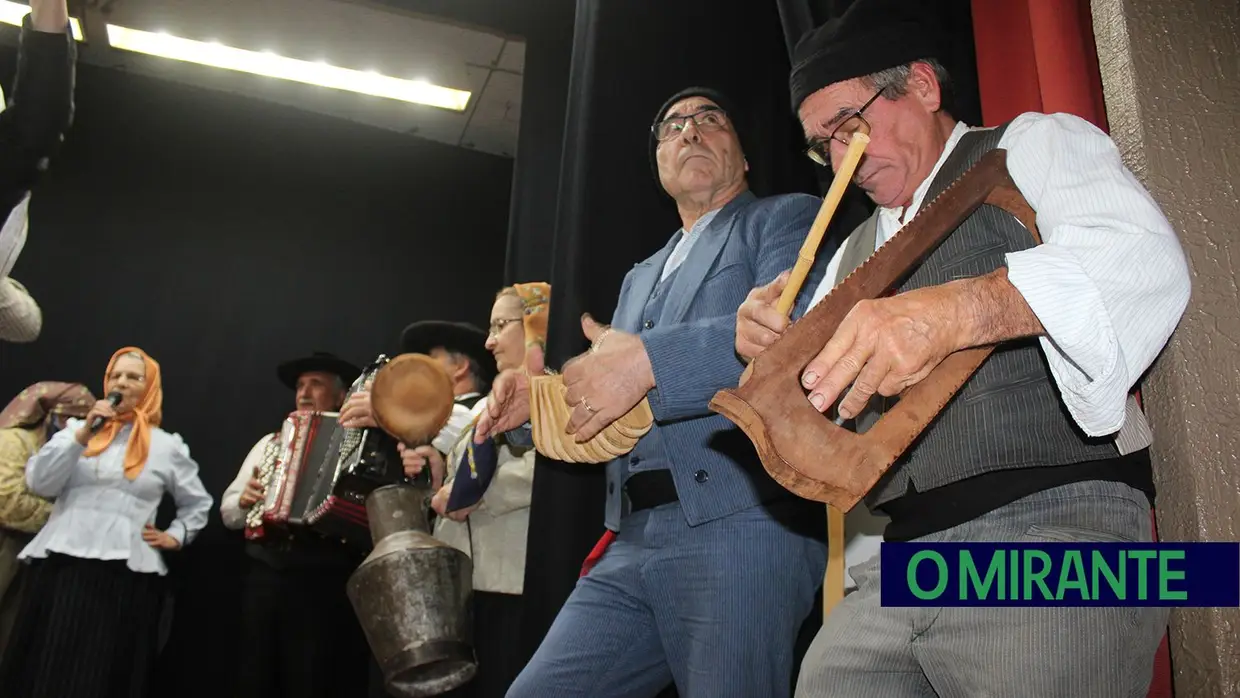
(1044, 442)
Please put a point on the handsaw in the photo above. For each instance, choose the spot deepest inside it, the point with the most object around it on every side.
(801, 448)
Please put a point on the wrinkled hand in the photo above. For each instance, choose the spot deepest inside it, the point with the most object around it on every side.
(159, 539)
(356, 412)
(461, 514)
(253, 492)
(606, 382)
(885, 346)
(440, 501)
(415, 459)
(758, 321)
(508, 405)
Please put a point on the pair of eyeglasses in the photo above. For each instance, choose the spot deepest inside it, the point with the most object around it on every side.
(706, 119)
(852, 124)
(498, 326)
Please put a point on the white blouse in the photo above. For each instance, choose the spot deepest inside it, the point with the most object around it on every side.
(98, 513)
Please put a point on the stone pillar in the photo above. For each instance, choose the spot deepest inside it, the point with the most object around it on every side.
(1171, 77)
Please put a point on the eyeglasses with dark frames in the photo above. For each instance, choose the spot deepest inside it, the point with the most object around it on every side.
(708, 118)
(819, 152)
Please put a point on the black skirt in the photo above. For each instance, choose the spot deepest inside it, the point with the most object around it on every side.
(86, 629)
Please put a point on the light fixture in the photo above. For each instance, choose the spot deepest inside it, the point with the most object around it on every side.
(271, 65)
(13, 12)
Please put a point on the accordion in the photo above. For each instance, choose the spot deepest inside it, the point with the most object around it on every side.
(316, 475)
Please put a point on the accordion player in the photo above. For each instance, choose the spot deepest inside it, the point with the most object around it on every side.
(315, 474)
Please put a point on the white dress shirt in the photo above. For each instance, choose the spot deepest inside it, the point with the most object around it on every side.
(681, 251)
(1109, 283)
(99, 514)
(230, 504)
(461, 420)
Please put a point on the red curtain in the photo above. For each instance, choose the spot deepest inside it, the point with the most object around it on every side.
(1039, 55)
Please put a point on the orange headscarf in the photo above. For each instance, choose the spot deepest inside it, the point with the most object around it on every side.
(149, 413)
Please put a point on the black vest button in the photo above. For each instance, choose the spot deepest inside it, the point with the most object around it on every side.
(701, 476)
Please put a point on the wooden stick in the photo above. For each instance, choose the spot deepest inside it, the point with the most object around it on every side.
(833, 583)
(809, 249)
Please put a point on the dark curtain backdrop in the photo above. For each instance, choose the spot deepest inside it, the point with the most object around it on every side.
(546, 27)
(224, 234)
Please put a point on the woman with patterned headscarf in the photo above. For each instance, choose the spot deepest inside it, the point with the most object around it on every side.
(25, 425)
(89, 621)
(484, 505)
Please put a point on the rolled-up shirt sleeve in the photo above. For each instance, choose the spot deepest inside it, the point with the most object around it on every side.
(1110, 282)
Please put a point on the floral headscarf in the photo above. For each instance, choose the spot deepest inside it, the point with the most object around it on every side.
(34, 404)
(535, 306)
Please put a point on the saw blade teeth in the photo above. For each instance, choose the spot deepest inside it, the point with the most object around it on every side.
(923, 211)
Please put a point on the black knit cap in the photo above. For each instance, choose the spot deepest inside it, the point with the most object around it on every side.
(871, 36)
(735, 116)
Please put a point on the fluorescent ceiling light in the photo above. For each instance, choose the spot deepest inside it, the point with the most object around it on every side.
(271, 65)
(13, 12)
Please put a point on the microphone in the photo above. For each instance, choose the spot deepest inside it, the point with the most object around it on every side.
(115, 398)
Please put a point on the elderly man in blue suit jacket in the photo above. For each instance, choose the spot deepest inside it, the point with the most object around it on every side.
(714, 566)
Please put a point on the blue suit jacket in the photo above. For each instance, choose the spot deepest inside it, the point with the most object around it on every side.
(692, 349)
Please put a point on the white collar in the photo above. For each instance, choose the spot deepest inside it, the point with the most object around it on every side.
(700, 224)
(896, 214)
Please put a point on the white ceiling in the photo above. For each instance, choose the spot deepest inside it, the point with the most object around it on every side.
(346, 33)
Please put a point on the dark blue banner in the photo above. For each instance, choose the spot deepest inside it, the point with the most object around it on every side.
(1199, 575)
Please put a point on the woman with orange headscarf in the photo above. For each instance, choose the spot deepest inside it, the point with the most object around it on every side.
(89, 621)
(484, 504)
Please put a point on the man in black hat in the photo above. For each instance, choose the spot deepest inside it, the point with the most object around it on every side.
(1044, 443)
(713, 567)
(300, 635)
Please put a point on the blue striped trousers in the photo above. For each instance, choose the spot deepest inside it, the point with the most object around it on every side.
(715, 608)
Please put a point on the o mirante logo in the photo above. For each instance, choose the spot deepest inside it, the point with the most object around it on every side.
(1061, 574)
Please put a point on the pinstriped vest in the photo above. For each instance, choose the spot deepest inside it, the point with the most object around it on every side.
(1008, 415)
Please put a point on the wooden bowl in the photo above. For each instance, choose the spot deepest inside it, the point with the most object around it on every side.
(412, 398)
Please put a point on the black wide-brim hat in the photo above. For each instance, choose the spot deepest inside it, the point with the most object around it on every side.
(289, 371)
(462, 337)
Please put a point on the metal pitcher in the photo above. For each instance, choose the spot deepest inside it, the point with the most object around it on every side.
(411, 596)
